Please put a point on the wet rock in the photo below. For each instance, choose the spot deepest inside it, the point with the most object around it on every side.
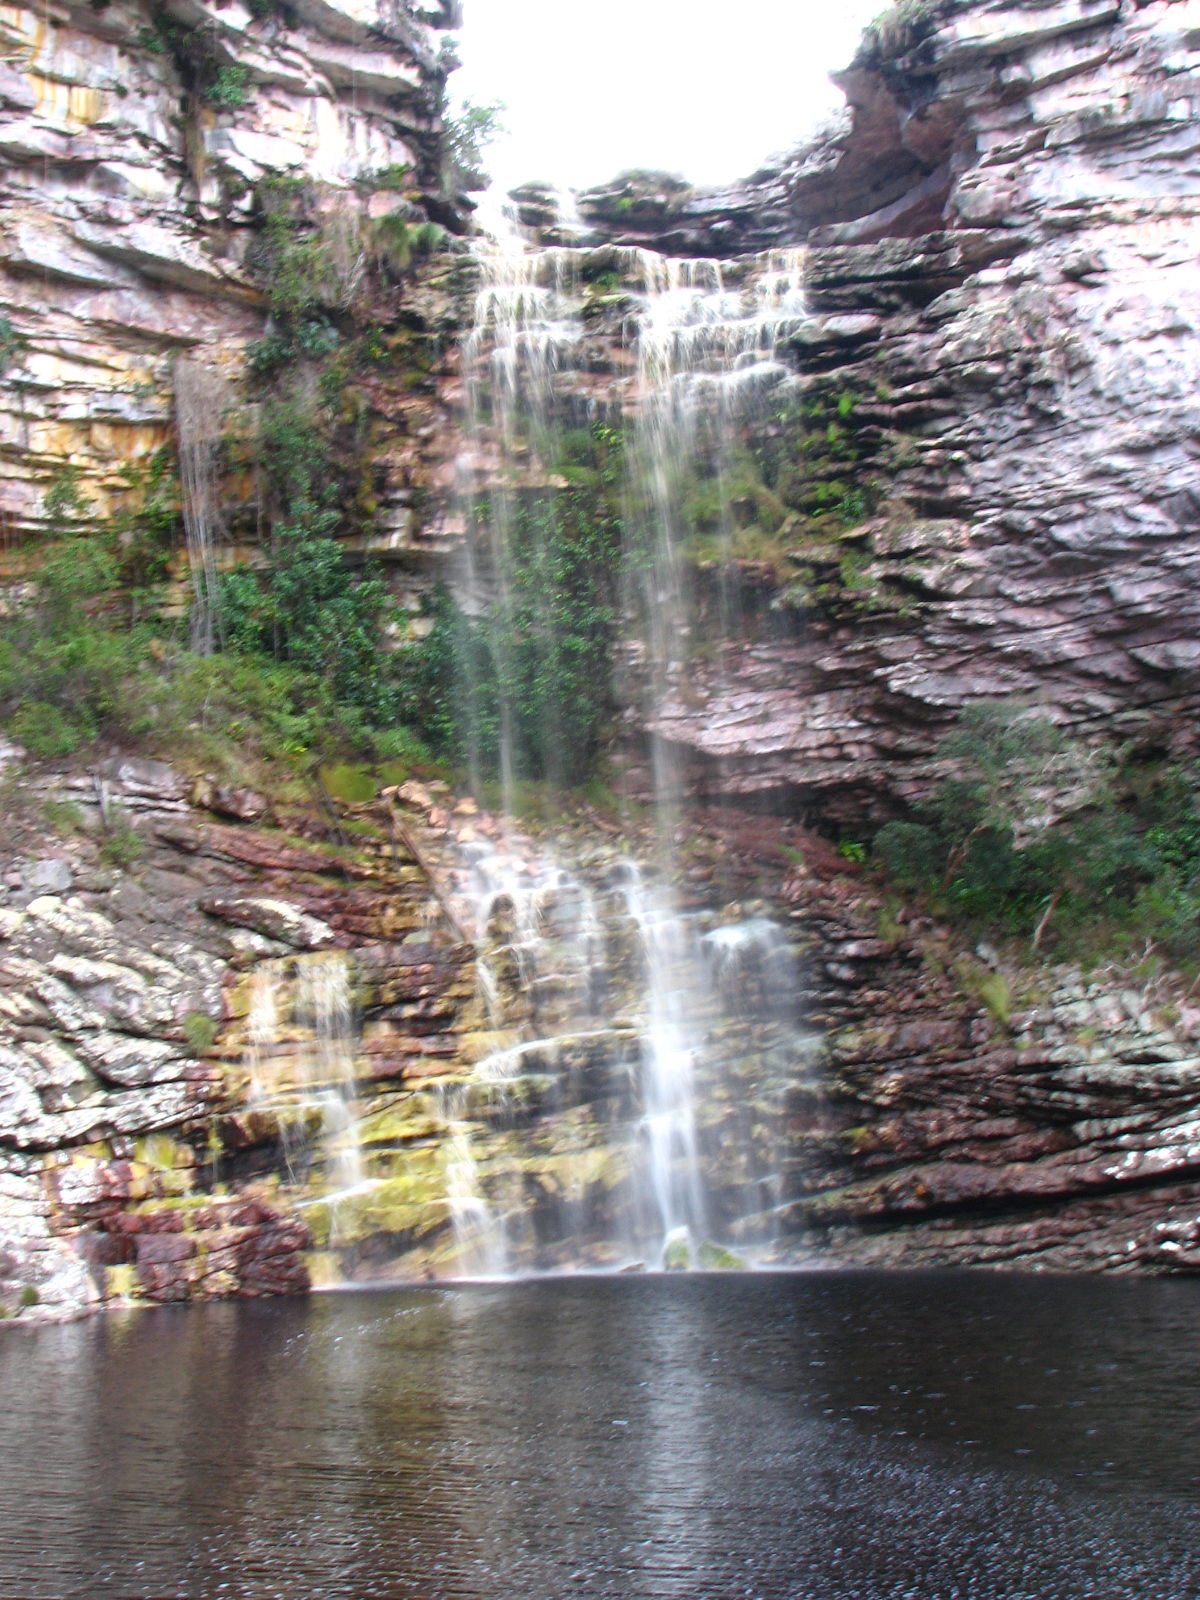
(227, 800)
(111, 239)
(274, 919)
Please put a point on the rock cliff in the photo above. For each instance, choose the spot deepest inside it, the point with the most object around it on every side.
(1002, 233)
(133, 137)
(996, 385)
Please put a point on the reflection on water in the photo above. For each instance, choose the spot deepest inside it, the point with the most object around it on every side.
(853, 1437)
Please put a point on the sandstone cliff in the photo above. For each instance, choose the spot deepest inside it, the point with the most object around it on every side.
(132, 138)
(1003, 231)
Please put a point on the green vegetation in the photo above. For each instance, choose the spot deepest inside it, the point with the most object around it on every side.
(65, 654)
(790, 496)
(305, 270)
(228, 87)
(122, 844)
(535, 671)
(463, 139)
(11, 344)
(902, 25)
(301, 606)
(815, 453)
(64, 816)
(199, 1032)
(1037, 836)
(199, 56)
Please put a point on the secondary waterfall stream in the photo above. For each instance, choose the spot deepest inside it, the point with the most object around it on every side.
(622, 1094)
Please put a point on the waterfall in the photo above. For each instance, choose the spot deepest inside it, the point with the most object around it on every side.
(301, 1040)
(616, 1090)
(525, 325)
(200, 397)
(560, 955)
(705, 347)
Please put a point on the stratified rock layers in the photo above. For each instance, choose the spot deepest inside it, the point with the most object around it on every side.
(132, 137)
(1003, 234)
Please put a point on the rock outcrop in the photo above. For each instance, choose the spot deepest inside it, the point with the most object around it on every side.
(124, 1170)
(1002, 235)
(1001, 357)
(133, 137)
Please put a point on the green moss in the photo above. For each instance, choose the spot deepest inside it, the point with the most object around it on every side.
(677, 1257)
(120, 1282)
(353, 785)
(12, 344)
(199, 1032)
(410, 1205)
(64, 816)
(716, 1258)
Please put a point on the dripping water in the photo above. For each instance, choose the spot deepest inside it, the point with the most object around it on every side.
(200, 398)
(301, 1040)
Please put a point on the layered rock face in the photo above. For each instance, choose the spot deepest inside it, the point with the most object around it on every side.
(135, 1160)
(133, 137)
(1000, 355)
(1002, 238)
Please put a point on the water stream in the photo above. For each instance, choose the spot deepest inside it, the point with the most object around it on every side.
(624, 1091)
(700, 340)
(301, 1042)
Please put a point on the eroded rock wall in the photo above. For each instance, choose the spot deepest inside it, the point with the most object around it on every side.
(132, 1165)
(1014, 307)
(131, 139)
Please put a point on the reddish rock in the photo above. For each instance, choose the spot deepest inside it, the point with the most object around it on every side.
(158, 1249)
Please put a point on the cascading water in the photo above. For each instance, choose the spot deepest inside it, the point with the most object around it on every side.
(200, 398)
(556, 962)
(301, 1038)
(616, 1090)
(702, 348)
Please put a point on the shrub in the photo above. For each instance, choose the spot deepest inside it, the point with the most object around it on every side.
(463, 139)
(45, 731)
(1034, 834)
(12, 344)
(531, 679)
(122, 844)
(228, 87)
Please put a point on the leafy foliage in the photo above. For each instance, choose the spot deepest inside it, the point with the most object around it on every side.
(11, 344)
(533, 674)
(198, 55)
(66, 658)
(1034, 834)
(464, 138)
(227, 88)
(304, 606)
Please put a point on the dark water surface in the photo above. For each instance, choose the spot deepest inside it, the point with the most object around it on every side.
(822, 1437)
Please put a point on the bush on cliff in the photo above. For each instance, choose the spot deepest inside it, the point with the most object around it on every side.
(528, 683)
(1034, 834)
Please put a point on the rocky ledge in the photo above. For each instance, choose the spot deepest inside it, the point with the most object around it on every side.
(172, 1029)
(125, 938)
(133, 138)
(1001, 238)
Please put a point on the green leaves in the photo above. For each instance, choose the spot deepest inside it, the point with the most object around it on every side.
(534, 672)
(1034, 833)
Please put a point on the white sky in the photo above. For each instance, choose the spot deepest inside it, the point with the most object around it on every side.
(705, 88)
